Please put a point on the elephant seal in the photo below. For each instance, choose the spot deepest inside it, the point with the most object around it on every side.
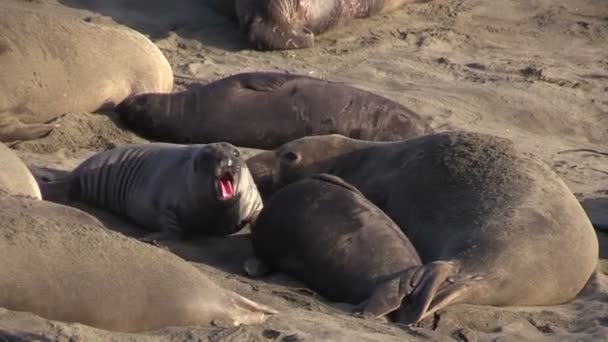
(292, 24)
(177, 190)
(15, 177)
(54, 62)
(494, 225)
(323, 231)
(62, 264)
(266, 109)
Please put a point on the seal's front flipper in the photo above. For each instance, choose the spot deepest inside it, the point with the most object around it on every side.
(255, 267)
(387, 296)
(264, 81)
(14, 130)
(433, 276)
(169, 230)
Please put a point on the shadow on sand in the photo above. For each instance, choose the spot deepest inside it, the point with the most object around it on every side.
(191, 19)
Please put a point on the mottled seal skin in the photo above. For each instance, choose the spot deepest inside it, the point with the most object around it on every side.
(59, 61)
(292, 24)
(266, 109)
(323, 231)
(62, 264)
(169, 188)
(493, 225)
(15, 176)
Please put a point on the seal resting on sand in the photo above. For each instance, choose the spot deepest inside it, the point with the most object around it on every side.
(493, 225)
(177, 190)
(15, 177)
(62, 264)
(323, 231)
(292, 24)
(54, 63)
(266, 109)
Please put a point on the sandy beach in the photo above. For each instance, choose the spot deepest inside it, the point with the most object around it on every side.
(535, 72)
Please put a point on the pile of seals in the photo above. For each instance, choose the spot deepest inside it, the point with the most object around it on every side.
(356, 195)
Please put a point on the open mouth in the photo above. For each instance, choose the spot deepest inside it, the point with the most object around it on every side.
(224, 185)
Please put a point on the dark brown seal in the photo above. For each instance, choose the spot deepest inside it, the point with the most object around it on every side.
(322, 231)
(495, 225)
(292, 24)
(267, 109)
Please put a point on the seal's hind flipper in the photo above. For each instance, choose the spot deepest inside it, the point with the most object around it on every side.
(387, 296)
(336, 181)
(416, 305)
(454, 292)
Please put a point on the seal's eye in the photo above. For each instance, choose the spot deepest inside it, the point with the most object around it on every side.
(291, 157)
(236, 153)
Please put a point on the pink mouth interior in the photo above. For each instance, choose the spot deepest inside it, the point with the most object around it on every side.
(226, 187)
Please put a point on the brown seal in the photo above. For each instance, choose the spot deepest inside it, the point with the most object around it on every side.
(266, 109)
(322, 231)
(292, 24)
(62, 264)
(494, 225)
(55, 62)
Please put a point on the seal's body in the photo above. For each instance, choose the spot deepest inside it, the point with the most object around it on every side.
(63, 264)
(190, 190)
(55, 63)
(323, 232)
(15, 177)
(493, 225)
(266, 109)
(292, 24)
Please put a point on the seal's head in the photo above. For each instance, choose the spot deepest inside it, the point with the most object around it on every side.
(299, 159)
(218, 167)
(221, 182)
(147, 114)
(275, 25)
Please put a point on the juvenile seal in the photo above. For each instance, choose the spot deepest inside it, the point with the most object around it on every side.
(266, 109)
(54, 62)
(323, 231)
(292, 24)
(15, 177)
(493, 225)
(180, 190)
(62, 264)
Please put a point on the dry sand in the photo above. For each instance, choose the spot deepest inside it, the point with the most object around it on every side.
(532, 71)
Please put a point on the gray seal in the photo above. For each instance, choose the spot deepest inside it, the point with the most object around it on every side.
(15, 177)
(293, 24)
(179, 190)
(266, 109)
(494, 225)
(62, 264)
(322, 231)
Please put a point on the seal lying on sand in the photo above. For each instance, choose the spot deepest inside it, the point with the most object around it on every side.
(172, 189)
(15, 177)
(267, 109)
(56, 63)
(323, 231)
(292, 24)
(62, 264)
(492, 224)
